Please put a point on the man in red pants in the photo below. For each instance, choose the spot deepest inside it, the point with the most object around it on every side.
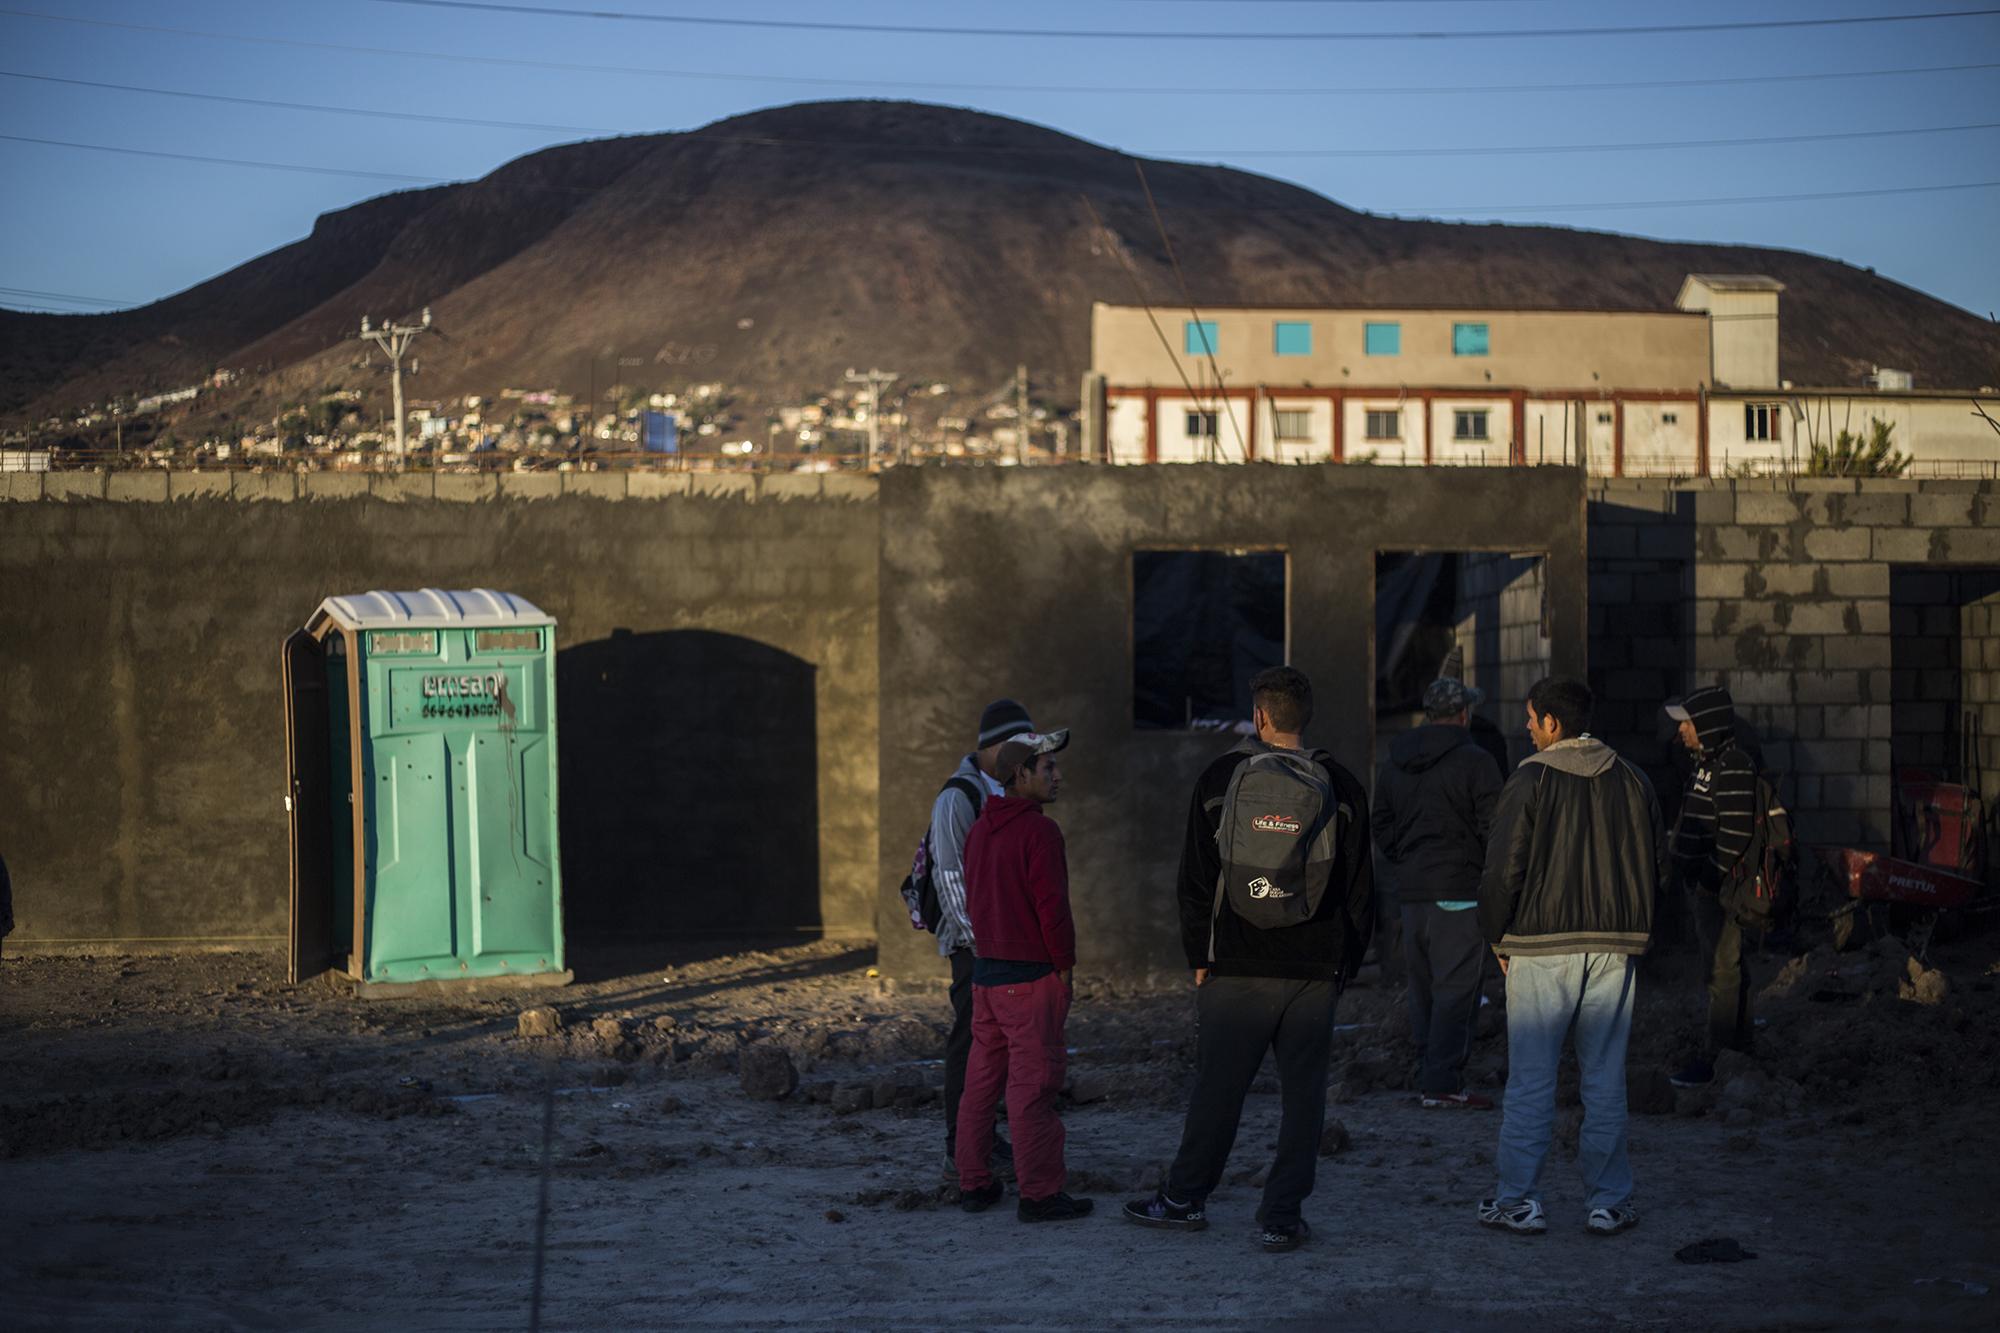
(1017, 894)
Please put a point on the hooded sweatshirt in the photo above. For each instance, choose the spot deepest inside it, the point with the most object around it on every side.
(1017, 885)
(1577, 855)
(1719, 809)
(1434, 798)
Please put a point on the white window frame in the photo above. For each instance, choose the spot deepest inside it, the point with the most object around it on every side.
(1395, 416)
(1459, 418)
(1202, 425)
(1300, 417)
(1762, 422)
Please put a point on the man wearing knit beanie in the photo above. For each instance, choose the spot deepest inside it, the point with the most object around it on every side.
(1715, 830)
(958, 804)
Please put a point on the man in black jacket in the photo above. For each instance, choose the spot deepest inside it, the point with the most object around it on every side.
(1567, 900)
(1264, 989)
(1716, 827)
(1434, 798)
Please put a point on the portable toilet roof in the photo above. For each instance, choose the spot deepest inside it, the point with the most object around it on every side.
(427, 608)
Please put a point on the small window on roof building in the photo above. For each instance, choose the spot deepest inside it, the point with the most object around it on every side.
(1198, 337)
(1760, 420)
(1384, 339)
(1468, 340)
(1292, 338)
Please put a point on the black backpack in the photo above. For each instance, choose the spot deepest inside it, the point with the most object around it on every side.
(919, 891)
(1760, 891)
(1277, 839)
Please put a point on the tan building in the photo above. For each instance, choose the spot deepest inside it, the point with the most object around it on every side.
(1681, 392)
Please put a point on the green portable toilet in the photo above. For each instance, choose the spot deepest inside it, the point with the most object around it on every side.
(420, 748)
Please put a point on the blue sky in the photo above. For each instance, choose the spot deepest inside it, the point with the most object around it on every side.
(86, 223)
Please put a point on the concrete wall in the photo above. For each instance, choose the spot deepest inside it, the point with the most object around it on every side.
(1783, 594)
(1533, 349)
(1944, 434)
(1019, 583)
(717, 645)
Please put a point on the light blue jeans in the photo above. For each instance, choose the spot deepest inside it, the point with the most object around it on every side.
(1545, 996)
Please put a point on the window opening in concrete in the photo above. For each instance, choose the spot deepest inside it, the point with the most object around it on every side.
(1201, 425)
(1484, 615)
(1385, 425)
(1294, 424)
(1468, 425)
(1203, 623)
(1944, 658)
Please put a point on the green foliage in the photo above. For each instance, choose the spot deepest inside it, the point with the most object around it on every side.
(1852, 455)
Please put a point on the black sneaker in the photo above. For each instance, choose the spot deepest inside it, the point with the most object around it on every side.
(1278, 1237)
(978, 1201)
(1055, 1208)
(1160, 1211)
(1694, 1074)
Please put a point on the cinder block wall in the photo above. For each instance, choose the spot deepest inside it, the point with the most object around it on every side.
(1782, 592)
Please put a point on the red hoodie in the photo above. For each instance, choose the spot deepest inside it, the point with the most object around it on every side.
(1017, 885)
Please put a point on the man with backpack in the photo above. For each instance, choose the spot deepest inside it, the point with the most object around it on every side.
(1572, 875)
(1720, 862)
(1276, 902)
(935, 894)
(1434, 797)
(1018, 874)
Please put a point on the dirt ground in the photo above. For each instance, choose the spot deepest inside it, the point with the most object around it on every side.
(189, 1143)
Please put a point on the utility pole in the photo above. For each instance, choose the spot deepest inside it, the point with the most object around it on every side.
(394, 340)
(1021, 414)
(876, 380)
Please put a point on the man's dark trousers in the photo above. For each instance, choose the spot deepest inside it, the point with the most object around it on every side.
(957, 1046)
(1447, 959)
(1729, 1023)
(1239, 1018)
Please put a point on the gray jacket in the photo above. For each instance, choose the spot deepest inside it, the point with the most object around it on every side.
(952, 816)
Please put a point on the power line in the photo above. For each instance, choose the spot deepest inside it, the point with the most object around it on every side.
(63, 296)
(1113, 90)
(1324, 206)
(229, 161)
(1228, 35)
(1727, 199)
(311, 106)
(1516, 150)
(1025, 150)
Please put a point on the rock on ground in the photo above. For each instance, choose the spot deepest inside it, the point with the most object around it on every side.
(766, 1073)
(540, 1021)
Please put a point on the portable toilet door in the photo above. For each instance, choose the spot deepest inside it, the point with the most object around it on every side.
(424, 831)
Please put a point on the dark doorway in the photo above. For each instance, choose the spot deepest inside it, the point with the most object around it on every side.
(690, 787)
(1479, 615)
(1945, 674)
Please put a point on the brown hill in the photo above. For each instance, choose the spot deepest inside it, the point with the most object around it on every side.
(775, 249)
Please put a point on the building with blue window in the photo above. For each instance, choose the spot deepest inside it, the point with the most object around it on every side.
(1686, 390)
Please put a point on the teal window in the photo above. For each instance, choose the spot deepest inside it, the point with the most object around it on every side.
(1382, 339)
(1292, 338)
(1468, 340)
(1200, 337)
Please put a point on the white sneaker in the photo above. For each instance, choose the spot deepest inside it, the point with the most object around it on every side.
(1524, 1216)
(1611, 1221)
